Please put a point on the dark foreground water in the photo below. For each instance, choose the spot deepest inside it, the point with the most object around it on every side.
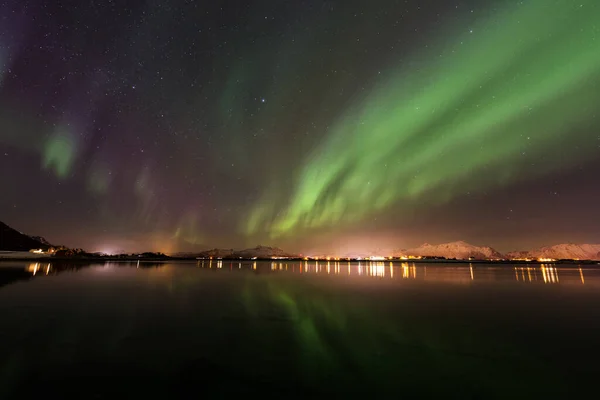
(298, 330)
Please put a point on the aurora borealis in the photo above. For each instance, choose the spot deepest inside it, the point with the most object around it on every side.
(317, 125)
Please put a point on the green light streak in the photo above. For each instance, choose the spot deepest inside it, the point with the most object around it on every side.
(504, 101)
(59, 153)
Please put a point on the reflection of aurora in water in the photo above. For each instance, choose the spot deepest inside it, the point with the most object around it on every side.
(332, 331)
(320, 323)
(306, 327)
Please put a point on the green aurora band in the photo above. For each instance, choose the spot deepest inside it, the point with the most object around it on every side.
(501, 102)
(59, 153)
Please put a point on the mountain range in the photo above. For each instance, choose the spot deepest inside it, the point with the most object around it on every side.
(459, 250)
(561, 251)
(463, 250)
(258, 252)
(13, 240)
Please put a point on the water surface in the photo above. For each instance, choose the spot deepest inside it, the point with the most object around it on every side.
(297, 329)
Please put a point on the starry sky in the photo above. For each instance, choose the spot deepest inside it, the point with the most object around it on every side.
(316, 126)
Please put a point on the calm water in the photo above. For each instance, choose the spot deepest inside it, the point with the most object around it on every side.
(296, 329)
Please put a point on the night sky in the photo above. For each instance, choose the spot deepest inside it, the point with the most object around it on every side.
(335, 126)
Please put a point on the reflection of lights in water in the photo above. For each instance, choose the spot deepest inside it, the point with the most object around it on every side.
(378, 269)
(549, 274)
(520, 274)
(34, 268)
(408, 271)
(544, 274)
(471, 269)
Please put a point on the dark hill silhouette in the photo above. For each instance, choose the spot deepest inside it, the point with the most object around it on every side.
(13, 240)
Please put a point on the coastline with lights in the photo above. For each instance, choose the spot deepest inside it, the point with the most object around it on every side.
(162, 258)
(15, 245)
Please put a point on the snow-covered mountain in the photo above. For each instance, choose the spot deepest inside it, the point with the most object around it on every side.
(561, 251)
(258, 252)
(459, 250)
(518, 255)
(216, 253)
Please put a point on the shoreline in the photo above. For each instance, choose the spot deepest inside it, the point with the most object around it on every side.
(293, 259)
